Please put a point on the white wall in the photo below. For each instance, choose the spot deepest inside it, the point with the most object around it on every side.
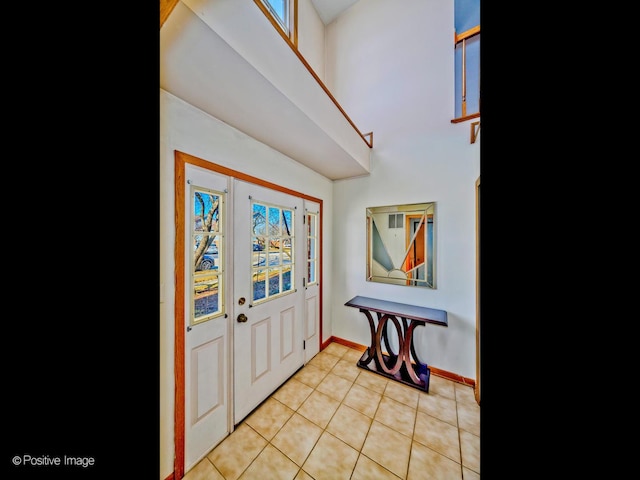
(311, 37)
(187, 129)
(392, 70)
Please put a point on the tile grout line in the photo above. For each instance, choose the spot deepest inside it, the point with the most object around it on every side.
(341, 402)
(353, 382)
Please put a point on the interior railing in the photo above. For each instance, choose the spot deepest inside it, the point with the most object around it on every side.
(461, 39)
(167, 6)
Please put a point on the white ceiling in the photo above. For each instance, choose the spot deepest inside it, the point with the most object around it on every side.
(329, 10)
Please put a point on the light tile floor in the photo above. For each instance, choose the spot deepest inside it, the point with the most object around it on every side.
(334, 421)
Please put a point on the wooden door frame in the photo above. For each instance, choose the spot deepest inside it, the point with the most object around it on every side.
(476, 389)
(181, 159)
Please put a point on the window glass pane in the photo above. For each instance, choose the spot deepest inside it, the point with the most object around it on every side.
(259, 259)
(466, 14)
(286, 279)
(205, 295)
(206, 266)
(274, 221)
(311, 225)
(473, 74)
(259, 290)
(259, 219)
(209, 257)
(312, 255)
(279, 7)
(206, 212)
(272, 251)
(274, 282)
(287, 253)
(258, 244)
(312, 272)
(286, 222)
(466, 18)
(280, 11)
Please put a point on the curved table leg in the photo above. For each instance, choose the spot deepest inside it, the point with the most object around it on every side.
(409, 352)
(394, 360)
(370, 353)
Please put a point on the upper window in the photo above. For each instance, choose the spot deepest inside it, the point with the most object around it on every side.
(280, 9)
(283, 14)
(467, 58)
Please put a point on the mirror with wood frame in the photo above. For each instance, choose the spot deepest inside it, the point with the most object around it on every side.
(401, 244)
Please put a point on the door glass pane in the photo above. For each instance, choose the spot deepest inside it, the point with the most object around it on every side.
(259, 219)
(274, 282)
(258, 244)
(312, 252)
(286, 279)
(210, 258)
(272, 250)
(312, 273)
(287, 252)
(205, 296)
(274, 222)
(259, 285)
(207, 243)
(286, 222)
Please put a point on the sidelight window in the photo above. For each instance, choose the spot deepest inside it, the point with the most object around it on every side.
(311, 221)
(207, 261)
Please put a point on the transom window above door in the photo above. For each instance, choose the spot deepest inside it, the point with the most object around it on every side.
(272, 251)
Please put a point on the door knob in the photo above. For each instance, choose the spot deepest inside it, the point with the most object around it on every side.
(242, 318)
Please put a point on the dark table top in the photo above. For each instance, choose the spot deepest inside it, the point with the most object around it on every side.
(413, 312)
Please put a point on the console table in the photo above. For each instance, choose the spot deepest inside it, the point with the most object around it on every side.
(404, 365)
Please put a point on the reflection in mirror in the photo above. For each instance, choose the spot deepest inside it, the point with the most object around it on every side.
(401, 244)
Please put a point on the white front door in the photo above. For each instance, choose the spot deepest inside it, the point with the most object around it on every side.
(207, 397)
(312, 280)
(268, 294)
